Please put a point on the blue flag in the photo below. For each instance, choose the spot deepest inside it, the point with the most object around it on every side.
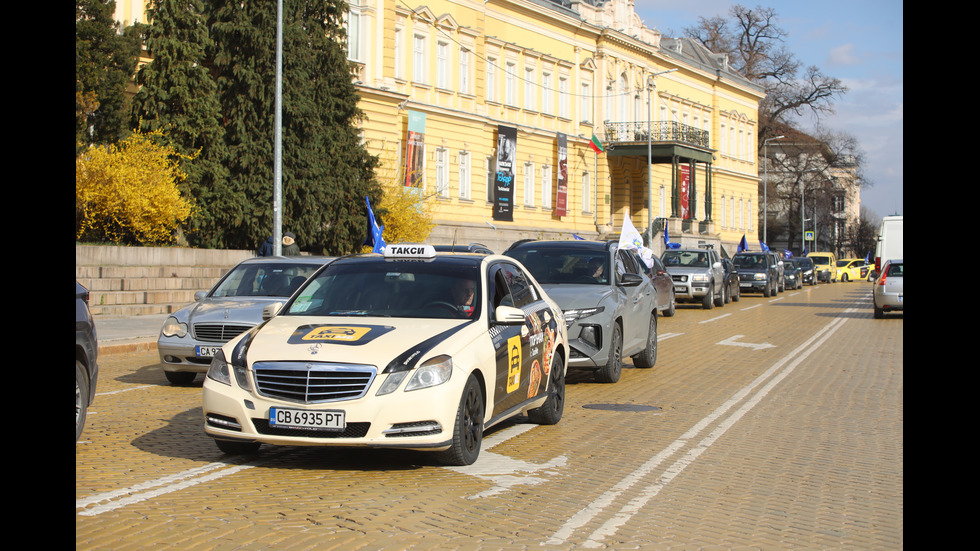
(667, 242)
(374, 233)
(742, 245)
(764, 246)
(578, 238)
(787, 253)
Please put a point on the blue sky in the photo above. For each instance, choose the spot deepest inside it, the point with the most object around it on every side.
(858, 41)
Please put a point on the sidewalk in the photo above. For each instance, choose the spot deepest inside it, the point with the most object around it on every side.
(128, 333)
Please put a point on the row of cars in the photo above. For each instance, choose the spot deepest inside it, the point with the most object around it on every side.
(423, 349)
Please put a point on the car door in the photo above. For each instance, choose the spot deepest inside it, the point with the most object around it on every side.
(522, 352)
(636, 318)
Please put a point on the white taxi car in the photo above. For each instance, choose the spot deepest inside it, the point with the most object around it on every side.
(413, 349)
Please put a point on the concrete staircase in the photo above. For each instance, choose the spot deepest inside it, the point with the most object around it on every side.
(133, 281)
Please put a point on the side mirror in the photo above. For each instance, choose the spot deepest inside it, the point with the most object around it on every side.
(631, 280)
(508, 315)
(271, 310)
(200, 295)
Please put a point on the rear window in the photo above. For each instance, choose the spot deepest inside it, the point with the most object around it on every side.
(895, 270)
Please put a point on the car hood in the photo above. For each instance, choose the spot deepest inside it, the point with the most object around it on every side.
(577, 296)
(681, 270)
(359, 340)
(229, 309)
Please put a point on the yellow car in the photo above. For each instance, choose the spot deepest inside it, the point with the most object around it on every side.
(411, 349)
(824, 266)
(849, 269)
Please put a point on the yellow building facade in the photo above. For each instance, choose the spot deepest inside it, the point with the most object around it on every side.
(462, 73)
(490, 106)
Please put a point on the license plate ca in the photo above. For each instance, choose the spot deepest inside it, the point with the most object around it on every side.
(306, 419)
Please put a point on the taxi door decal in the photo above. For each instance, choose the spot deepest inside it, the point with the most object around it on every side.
(514, 357)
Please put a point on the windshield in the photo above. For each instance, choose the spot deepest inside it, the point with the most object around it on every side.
(749, 261)
(407, 289)
(820, 259)
(264, 280)
(585, 266)
(693, 259)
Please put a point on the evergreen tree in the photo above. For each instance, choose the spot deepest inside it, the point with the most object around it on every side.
(326, 171)
(104, 63)
(178, 96)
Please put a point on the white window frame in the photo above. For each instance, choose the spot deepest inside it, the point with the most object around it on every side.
(354, 34)
(563, 107)
(442, 65)
(419, 66)
(510, 84)
(399, 65)
(464, 70)
(465, 175)
(586, 102)
(586, 191)
(546, 186)
(547, 93)
(491, 90)
(530, 89)
(529, 184)
(442, 172)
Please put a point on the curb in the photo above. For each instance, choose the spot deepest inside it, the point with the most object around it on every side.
(126, 347)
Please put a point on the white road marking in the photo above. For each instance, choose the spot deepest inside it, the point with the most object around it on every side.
(732, 341)
(767, 381)
(723, 316)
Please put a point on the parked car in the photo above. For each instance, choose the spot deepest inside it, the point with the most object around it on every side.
(698, 275)
(806, 269)
(733, 289)
(888, 290)
(470, 248)
(609, 304)
(191, 336)
(851, 269)
(825, 266)
(756, 272)
(412, 350)
(86, 358)
(793, 275)
(777, 261)
(666, 303)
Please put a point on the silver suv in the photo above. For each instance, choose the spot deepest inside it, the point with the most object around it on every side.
(698, 275)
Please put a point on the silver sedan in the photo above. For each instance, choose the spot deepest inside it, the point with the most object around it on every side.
(889, 288)
(192, 335)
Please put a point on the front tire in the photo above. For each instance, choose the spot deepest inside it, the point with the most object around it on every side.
(551, 410)
(708, 302)
(648, 358)
(81, 398)
(468, 428)
(611, 372)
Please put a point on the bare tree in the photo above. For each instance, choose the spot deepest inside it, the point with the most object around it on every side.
(756, 48)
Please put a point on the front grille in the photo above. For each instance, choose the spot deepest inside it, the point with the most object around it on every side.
(218, 332)
(313, 382)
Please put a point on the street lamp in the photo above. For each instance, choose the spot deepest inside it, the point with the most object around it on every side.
(765, 189)
(651, 85)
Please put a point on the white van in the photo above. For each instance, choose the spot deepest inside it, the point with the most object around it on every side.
(890, 239)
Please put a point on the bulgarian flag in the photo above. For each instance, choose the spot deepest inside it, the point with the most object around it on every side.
(596, 145)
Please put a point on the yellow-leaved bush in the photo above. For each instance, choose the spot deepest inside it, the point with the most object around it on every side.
(128, 192)
(408, 216)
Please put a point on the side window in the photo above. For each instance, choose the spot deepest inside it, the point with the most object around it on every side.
(511, 287)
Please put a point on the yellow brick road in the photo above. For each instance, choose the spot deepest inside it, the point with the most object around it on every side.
(769, 423)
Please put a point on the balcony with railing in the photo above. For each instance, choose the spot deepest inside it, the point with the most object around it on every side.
(666, 139)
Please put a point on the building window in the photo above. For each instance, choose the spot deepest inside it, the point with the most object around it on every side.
(586, 106)
(586, 192)
(399, 67)
(464, 71)
(563, 98)
(530, 93)
(491, 79)
(418, 59)
(354, 35)
(442, 172)
(464, 175)
(491, 169)
(442, 65)
(529, 184)
(510, 84)
(546, 187)
(547, 94)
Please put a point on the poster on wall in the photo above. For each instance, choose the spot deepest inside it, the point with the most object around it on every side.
(685, 191)
(415, 150)
(503, 185)
(561, 202)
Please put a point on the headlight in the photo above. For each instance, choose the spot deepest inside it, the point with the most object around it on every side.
(700, 278)
(220, 370)
(579, 313)
(761, 276)
(174, 328)
(433, 372)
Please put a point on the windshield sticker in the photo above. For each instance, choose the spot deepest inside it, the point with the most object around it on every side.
(338, 334)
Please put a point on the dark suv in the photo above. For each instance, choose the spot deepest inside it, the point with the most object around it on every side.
(609, 303)
(757, 273)
(86, 356)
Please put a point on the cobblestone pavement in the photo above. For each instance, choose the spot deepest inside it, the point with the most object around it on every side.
(770, 423)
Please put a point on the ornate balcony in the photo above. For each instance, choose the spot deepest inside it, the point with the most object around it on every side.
(668, 140)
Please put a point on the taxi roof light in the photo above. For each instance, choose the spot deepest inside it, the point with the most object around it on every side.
(409, 250)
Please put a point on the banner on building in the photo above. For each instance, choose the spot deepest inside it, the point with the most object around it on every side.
(503, 185)
(685, 191)
(415, 150)
(561, 202)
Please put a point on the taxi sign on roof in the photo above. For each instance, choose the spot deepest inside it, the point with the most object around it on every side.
(410, 251)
